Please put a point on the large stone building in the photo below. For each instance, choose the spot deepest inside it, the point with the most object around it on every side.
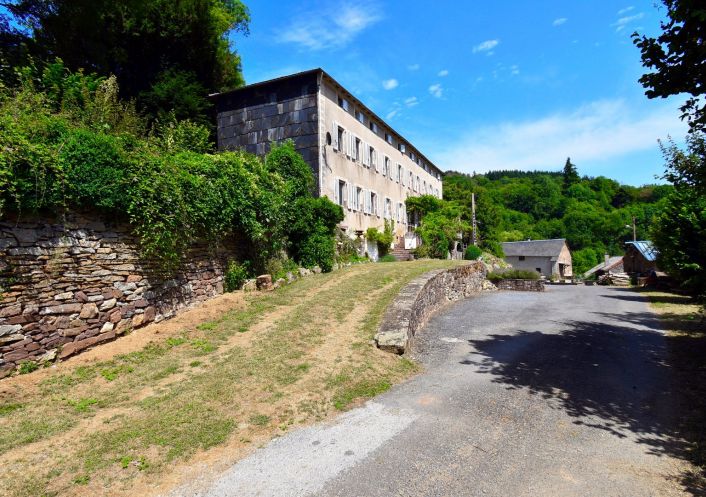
(547, 257)
(358, 160)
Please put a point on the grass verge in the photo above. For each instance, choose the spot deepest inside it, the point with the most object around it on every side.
(287, 358)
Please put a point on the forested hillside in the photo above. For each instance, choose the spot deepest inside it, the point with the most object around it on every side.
(591, 213)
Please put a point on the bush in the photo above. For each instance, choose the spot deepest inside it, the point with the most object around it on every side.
(472, 253)
(318, 250)
(513, 274)
(382, 238)
(387, 258)
(494, 247)
(235, 275)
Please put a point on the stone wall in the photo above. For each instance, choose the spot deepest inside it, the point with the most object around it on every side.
(65, 286)
(254, 118)
(422, 297)
(521, 285)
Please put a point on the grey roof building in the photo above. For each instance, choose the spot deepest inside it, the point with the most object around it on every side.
(612, 264)
(547, 257)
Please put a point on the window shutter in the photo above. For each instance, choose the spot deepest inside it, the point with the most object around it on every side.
(366, 196)
(404, 181)
(334, 135)
(350, 196)
(366, 154)
(345, 146)
(336, 197)
(377, 207)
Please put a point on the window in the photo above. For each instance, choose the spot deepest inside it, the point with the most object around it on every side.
(358, 199)
(360, 116)
(399, 173)
(410, 182)
(416, 184)
(341, 192)
(373, 159)
(356, 149)
(388, 208)
(386, 168)
(401, 147)
(373, 127)
(374, 204)
(340, 145)
(343, 103)
(388, 138)
(424, 187)
(539, 270)
(522, 257)
(412, 156)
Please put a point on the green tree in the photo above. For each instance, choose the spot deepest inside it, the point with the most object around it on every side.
(678, 58)
(571, 175)
(166, 54)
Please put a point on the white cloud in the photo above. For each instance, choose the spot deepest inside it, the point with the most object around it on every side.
(436, 90)
(514, 70)
(411, 101)
(560, 21)
(413, 67)
(390, 84)
(602, 130)
(622, 23)
(392, 114)
(331, 28)
(486, 46)
(625, 10)
(443, 73)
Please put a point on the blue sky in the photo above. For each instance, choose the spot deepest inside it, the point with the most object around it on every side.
(478, 86)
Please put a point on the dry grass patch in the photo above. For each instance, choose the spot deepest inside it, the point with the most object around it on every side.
(133, 424)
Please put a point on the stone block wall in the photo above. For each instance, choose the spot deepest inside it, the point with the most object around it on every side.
(422, 297)
(521, 285)
(67, 286)
(254, 118)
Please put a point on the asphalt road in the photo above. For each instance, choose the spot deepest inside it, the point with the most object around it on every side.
(561, 393)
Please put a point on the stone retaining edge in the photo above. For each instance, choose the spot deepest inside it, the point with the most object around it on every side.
(422, 297)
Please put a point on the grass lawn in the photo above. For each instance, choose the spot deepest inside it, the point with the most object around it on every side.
(207, 394)
(686, 338)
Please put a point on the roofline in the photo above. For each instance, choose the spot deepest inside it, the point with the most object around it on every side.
(355, 99)
(543, 240)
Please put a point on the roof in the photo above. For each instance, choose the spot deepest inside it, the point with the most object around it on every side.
(535, 248)
(350, 96)
(612, 262)
(646, 249)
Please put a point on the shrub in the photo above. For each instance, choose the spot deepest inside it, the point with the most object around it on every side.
(387, 258)
(513, 274)
(235, 275)
(28, 367)
(382, 238)
(494, 247)
(472, 253)
(318, 250)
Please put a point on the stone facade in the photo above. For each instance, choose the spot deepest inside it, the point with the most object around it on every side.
(521, 285)
(424, 296)
(255, 117)
(66, 286)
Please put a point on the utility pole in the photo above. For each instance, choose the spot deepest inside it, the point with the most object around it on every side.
(474, 233)
(634, 230)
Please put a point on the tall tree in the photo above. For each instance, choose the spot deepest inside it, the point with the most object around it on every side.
(571, 175)
(678, 58)
(163, 52)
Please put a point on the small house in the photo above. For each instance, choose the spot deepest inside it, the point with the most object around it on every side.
(547, 257)
(640, 257)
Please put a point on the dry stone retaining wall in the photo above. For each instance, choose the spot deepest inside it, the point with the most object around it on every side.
(422, 297)
(521, 285)
(65, 286)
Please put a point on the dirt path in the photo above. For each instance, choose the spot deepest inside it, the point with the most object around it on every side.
(179, 400)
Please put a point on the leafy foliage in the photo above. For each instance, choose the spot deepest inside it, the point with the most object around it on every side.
(441, 224)
(680, 231)
(472, 253)
(513, 274)
(383, 238)
(69, 142)
(591, 213)
(678, 58)
(235, 275)
(168, 55)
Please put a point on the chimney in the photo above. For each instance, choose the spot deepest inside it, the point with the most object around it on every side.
(607, 257)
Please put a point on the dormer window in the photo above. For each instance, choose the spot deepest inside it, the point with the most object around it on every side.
(388, 138)
(373, 127)
(343, 103)
(360, 116)
(401, 147)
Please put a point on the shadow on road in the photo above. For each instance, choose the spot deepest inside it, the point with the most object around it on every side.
(623, 377)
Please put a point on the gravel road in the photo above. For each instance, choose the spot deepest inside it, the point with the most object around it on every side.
(561, 393)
